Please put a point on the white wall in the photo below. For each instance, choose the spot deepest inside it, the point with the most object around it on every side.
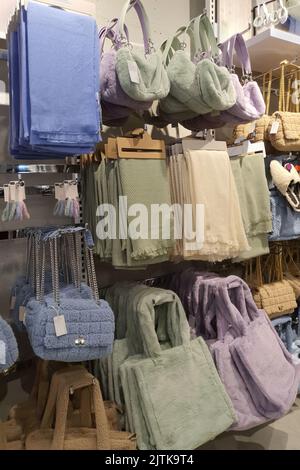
(166, 16)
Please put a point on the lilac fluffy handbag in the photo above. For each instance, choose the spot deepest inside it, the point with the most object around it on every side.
(250, 104)
(256, 369)
(110, 88)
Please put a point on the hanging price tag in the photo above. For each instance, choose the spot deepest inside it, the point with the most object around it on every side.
(6, 193)
(12, 191)
(22, 313)
(133, 71)
(60, 192)
(13, 302)
(60, 326)
(275, 128)
(2, 353)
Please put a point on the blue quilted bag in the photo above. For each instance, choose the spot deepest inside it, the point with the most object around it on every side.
(8, 346)
(89, 323)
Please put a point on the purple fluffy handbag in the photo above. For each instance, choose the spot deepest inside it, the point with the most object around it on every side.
(250, 104)
(110, 88)
(256, 369)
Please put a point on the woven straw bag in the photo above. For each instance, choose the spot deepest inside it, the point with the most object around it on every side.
(291, 258)
(65, 437)
(5, 444)
(287, 138)
(276, 296)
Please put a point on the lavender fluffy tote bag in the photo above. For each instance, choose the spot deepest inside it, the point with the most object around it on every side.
(250, 104)
(255, 367)
(110, 88)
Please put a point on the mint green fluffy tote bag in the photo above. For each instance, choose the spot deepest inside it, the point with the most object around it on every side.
(201, 85)
(174, 396)
(143, 77)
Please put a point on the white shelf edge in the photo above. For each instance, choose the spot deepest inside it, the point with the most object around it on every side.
(276, 34)
(3, 35)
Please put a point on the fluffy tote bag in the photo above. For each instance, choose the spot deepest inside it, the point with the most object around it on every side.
(250, 104)
(110, 88)
(63, 437)
(175, 394)
(256, 369)
(143, 78)
(214, 80)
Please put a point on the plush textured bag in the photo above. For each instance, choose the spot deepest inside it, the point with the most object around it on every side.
(110, 88)
(8, 346)
(250, 104)
(89, 323)
(173, 396)
(256, 369)
(64, 437)
(151, 81)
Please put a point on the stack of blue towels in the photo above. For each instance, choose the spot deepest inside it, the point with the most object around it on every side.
(54, 83)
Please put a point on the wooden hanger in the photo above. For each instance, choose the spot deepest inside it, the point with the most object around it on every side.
(138, 144)
(141, 145)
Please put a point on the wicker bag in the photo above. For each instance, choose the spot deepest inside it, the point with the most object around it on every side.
(64, 437)
(287, 137)
(272, 294)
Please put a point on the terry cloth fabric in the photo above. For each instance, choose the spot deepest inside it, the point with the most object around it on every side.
(145, 182)
(54, 83)
(254, 197)
(209, 181)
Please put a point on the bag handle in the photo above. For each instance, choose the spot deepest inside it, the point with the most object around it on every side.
(144, 21)
(237, 43)
(204, 37)
(109, 33)
(177, 325)
(172, 45)
(70, 385)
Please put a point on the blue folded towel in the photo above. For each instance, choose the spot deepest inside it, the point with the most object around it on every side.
(54, 83)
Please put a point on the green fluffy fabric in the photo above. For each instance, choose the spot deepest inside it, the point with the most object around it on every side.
(153, 83)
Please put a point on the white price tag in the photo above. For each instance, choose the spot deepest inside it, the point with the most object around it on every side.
(12, 191)
(60, 326)
(133, 71)
(20, 193)
(13, 302)
(74, 191)
(60, 193)
(6, 193)
(275, 128)
(22, 313)
(2, 353)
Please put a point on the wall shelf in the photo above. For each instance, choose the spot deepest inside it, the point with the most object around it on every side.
(271, 47)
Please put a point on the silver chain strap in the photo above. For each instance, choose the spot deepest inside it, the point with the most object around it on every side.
(78, 258)
(37, 269)
(42, 290)
(54, 269)
(71, 244)
(92, 273)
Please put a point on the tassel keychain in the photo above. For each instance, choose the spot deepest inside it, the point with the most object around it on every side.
(59, 208)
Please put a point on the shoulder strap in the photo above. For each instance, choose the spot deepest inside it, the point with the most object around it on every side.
(144, 21)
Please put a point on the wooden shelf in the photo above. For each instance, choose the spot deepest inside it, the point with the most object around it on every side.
(271, 47)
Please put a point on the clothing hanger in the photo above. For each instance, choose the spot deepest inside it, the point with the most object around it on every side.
(137, 145)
